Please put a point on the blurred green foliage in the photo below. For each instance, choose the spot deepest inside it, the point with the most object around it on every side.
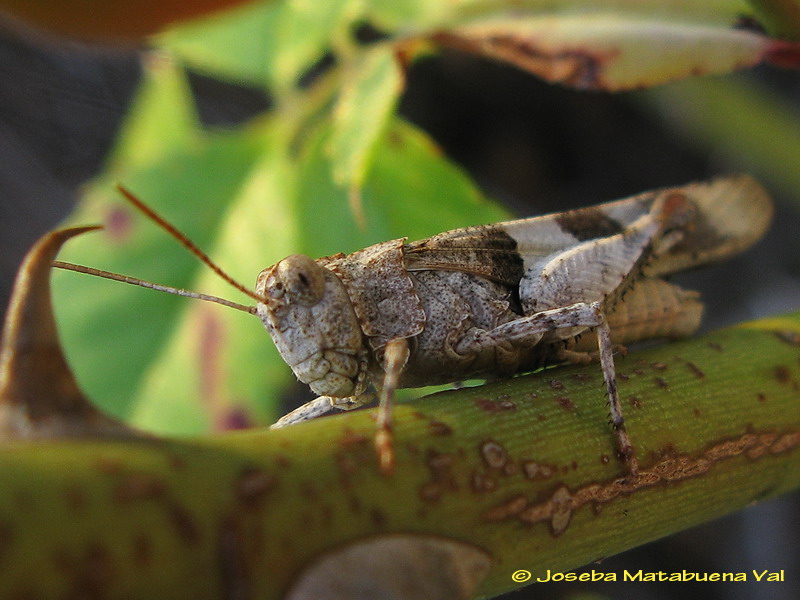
(329, 168)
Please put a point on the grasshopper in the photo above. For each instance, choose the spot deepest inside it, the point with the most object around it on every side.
(495, 300)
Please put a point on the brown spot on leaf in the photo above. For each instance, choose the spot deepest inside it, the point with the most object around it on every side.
(659, 366)
(604, 459)
(661, 383)
(697, 412)
(493, 454)
(635, 402)
(761, 397)
(715, 346)
(117, 223)
(555, 384)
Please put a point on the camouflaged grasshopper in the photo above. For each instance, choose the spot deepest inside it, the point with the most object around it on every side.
(495, 300)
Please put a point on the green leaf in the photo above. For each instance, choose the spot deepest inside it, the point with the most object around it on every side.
(752, 127)
(235, 44)
(162, 116)
(780, 17)
(263, 43)
(370, 89)
(101, 320)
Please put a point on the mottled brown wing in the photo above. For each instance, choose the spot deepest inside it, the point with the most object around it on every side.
(732, 213)
(487, 251)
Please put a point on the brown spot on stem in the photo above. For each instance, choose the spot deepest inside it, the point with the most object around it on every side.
(782, 374)
(695, 370)
(565, 403)
(184, 524)
(232, 561)
(430, 492)
(538, 471)
(378, 518)
(176, 462)
(493, 454)
(505, 510)
(352, 438)
(142, 550)
(88, 571)
(6, 540)
(440, 428)
(138, 486)
(670, 466)
(109, 466)
(252, 486)
(482, 482)
(75, 498)
(789, 337)
(495, 406)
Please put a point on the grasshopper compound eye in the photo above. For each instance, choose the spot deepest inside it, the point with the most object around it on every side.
(302, 279)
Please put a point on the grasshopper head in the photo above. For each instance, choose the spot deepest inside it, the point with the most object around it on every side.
(311, 320)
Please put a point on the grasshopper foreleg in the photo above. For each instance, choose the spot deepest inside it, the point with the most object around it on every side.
(321, 406)
(395, 357)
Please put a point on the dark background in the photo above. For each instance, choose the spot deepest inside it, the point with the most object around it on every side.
(534, 146)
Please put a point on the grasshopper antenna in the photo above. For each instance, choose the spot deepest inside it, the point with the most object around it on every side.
(153, 286)
(186, 243)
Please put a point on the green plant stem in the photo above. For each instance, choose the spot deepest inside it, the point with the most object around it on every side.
(522, 469)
